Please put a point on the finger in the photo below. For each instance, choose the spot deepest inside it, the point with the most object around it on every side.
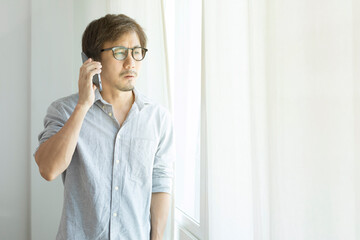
(93, 65)
(85, 64)
(88, 70)
(96, 71)
(87, 76)
(93, 72)
(87, 61)
(91, 62)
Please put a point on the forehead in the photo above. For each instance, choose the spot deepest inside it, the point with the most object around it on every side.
(129, 39)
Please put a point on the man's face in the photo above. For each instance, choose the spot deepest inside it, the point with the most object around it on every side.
(122, 74)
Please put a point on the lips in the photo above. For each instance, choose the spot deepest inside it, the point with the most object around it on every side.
(128, 74)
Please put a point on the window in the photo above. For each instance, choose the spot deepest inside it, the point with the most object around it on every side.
(185, 48)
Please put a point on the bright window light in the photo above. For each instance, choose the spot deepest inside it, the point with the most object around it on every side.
(187, 106)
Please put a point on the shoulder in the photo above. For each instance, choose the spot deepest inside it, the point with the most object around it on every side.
(159, 111)
(150, 106)
(159, 108)
(64, 105)
(162, 118)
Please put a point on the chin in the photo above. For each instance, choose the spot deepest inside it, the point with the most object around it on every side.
(126, 88)
(126, 85)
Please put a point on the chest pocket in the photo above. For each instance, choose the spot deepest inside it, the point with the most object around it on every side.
(141, 159)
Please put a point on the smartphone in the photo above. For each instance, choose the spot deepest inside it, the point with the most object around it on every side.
(96, 78)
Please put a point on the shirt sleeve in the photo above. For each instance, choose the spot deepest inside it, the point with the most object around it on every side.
(53, 122)
(163, 170)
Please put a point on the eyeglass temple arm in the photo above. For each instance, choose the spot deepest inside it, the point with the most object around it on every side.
(106, 49)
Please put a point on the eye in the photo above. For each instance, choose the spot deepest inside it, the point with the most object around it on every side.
(120, 53)
(138, 51)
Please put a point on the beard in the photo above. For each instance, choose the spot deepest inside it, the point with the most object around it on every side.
(126, 85)
(126, 88)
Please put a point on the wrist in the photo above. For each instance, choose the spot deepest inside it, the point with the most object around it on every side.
(155, 236)
(82, 107)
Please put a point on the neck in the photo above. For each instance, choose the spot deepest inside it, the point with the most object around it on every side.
(119, 99)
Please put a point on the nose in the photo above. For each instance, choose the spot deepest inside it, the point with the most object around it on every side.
(129, 61)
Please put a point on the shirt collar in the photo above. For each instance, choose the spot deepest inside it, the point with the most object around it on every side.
(140, 99)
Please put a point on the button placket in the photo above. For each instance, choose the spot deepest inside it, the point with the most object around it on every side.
(115, 194)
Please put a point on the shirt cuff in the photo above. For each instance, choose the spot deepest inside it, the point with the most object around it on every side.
(162, 185)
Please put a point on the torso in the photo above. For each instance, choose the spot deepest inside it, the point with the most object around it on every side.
(95, 168)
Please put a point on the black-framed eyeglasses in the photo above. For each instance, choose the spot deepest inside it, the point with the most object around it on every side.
(120, 53)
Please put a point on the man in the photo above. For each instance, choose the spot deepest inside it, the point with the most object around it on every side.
(114, 148)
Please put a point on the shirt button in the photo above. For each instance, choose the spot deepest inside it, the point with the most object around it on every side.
(116, 188)
(110, 114)
(114, 214)
(117, 161)
(103, 107)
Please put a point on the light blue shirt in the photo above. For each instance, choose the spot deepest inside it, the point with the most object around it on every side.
(114, 170)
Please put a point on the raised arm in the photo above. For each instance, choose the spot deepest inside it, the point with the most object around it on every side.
(55, 154)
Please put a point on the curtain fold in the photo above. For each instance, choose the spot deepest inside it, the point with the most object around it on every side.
(227, 92)
(281, 116)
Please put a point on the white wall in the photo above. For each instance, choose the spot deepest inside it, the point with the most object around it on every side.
(40, 49)
(356, 70)
(15, 119)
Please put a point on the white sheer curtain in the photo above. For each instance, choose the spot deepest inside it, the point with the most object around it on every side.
(227, 92)
(282, 101)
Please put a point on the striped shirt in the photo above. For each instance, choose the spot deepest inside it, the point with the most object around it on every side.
(115, 169)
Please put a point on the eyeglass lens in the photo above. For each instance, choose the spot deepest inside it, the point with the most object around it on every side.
(138, 53)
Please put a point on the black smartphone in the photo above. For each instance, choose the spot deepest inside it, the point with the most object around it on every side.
(96, 78)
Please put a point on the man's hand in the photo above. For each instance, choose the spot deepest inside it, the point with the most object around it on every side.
(86, 86)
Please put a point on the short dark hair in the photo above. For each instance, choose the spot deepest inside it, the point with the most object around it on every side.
(108, 29)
